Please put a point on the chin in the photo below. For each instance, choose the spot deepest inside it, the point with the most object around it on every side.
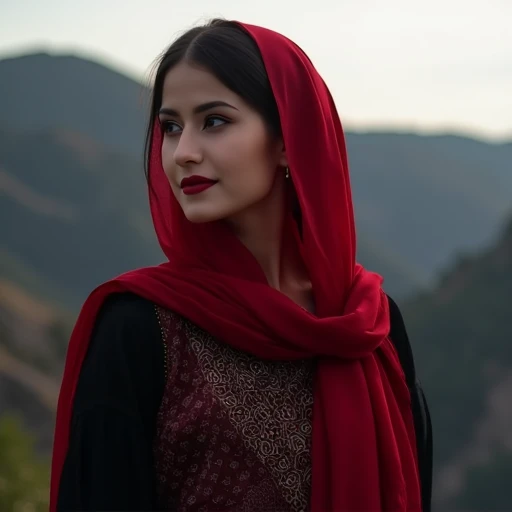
(200, 217)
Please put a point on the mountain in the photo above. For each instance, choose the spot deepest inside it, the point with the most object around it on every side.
(429, 197)
(40, 92)
(462, 342)
(78, 212)
(418, 199)
(73, 201)
(33, 341)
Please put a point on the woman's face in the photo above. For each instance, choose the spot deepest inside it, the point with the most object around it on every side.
(217, 151)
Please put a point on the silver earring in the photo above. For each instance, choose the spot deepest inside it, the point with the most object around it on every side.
(287, 173)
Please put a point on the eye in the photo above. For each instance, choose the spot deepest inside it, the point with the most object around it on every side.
(170, 127)
(214, 122)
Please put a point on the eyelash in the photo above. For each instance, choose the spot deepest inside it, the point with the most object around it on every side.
(166, 124)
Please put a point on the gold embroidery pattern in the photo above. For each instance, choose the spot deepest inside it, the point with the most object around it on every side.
(232, 431)
(270, 405)
(163, 322)
(261, 497)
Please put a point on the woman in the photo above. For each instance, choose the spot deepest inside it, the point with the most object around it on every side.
(254, 370)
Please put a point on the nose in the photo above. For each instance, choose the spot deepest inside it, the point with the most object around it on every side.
(188, 150)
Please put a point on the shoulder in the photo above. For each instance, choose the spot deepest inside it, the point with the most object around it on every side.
(400, 339)
(397, 321)
(125, 309)
(125, 357)
(420, 410)
(126, 325)
(126, 315)
(123, 369)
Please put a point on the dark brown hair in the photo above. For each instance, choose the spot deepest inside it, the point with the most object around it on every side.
(226, 50)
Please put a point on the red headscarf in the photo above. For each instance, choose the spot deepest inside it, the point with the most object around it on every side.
(363, 446)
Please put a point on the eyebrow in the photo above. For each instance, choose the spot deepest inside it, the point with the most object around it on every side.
(200, 108)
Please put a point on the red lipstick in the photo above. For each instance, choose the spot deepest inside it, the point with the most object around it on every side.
(196, 184)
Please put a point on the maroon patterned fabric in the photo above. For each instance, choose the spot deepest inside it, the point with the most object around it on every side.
(233, 431)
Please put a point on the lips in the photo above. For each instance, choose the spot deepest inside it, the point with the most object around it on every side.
(195, 184)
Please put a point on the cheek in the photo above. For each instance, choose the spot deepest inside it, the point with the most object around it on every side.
(168, 163)
(254, 158)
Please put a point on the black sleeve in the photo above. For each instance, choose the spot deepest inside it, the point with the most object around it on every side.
(421, 413)
(109, 462)
(423, 427)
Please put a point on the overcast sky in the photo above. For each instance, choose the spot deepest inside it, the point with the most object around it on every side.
(411, 64)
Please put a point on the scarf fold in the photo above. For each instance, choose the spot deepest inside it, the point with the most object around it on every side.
(363, 445)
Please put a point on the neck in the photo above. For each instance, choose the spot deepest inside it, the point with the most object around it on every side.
(260, 229)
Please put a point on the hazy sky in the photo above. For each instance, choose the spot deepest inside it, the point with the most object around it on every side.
(423, 65)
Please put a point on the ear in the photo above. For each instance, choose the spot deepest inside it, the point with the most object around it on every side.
(283, 159)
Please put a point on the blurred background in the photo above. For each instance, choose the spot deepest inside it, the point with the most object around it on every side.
(424, 92)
